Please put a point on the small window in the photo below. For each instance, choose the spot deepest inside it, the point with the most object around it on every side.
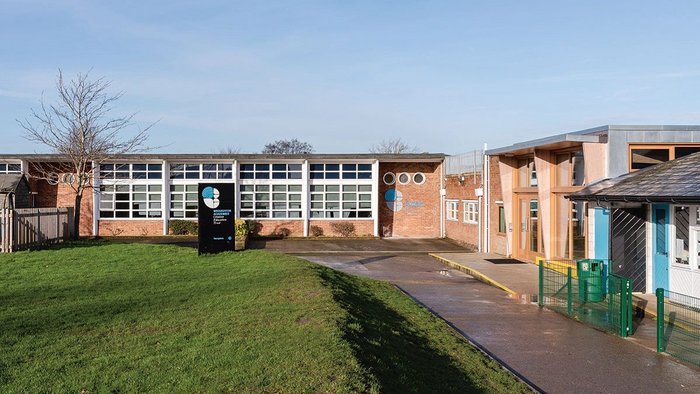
(404, 178)
(681, 151)
(452, 210)
(501, 219)
(643, 158)
(471, 212)
(418, 178)
(389, 178)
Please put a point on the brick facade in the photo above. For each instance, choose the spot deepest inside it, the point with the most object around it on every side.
(113, 228)
(277, 227)
(363, 228)
(62, 196)
(464, 233)
(417, 214)
(497, 240)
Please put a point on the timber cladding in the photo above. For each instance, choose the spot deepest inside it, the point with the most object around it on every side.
(409, 209)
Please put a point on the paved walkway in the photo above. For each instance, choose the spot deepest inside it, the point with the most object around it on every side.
(521, 281)
(555, 353)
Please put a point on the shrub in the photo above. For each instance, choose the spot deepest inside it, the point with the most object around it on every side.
(316, 231)
(345, 229)
(183, 227)
(253, 227)
(283, 232)
(241, 228)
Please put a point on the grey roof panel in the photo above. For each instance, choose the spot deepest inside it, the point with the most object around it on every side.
(9, 182)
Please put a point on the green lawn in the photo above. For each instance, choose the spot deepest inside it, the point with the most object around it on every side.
(107, 317)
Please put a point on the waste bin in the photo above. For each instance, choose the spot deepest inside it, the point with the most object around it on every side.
(590, 280)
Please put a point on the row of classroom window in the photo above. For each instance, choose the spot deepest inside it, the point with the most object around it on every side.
(225, 171)
(256, 201)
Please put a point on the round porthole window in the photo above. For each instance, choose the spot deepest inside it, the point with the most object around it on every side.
(389, 178)
(404, 178)
(418, 178)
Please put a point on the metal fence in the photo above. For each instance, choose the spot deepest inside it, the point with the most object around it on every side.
(469, 162)
(678, 325)
(32, 227)
(602, 301)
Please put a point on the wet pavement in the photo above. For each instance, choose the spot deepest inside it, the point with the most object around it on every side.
(554, 353)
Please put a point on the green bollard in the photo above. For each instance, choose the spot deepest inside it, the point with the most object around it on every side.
(569, 307)
(660, 345)
(540, 300)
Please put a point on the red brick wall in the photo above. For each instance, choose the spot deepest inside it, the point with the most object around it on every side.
(61, 196)
(109, 228)
(274, 227)
(419, 216)
(497, 240)
(362, 227)
(464, 233)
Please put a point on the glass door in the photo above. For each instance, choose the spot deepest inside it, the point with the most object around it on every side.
(528, 242)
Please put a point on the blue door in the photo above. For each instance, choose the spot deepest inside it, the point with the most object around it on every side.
(660, 245)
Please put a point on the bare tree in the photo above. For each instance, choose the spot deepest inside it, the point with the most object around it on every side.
(230, 150)
(293, 146)
(396, 145)
(80, 129)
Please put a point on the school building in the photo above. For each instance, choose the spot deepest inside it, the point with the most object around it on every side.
(512, 200)
(139, 194)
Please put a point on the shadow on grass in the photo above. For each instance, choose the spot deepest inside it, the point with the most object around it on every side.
(400, 358)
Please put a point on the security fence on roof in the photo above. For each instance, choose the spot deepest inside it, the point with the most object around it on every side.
(469, 162)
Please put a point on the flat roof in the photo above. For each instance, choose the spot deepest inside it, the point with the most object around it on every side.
(385, 157)
(595, 134)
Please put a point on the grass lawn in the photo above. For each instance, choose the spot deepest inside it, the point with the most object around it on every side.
(108, 317)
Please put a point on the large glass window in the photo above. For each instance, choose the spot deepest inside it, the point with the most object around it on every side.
(341, 201)
(201, 171)
(340, 171)
(270, 171)
(183, 201)
(131, 171)
(271, 201)
(131, 201)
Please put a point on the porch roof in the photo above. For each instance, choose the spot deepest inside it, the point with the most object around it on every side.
(9, 182)
(676, 181)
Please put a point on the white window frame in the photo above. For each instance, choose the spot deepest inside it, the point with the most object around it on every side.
(293, 175)
(174, 199)
(693, 238)
(292, 205)
(452, 210)
(221, 171)
(5, 167)
(109, 192)
(351, 170)
(470, 215)
(362, 201)
(128, 169)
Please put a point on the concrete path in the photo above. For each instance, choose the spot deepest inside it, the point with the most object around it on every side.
(521, 281)
(556, 354)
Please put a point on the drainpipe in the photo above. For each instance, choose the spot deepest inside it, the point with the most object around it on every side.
(486, 180)
(442, 199)
(96, 197)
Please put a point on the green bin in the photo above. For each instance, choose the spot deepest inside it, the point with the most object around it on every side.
(590, 280)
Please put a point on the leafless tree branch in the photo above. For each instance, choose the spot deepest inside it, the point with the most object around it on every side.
(395, 146)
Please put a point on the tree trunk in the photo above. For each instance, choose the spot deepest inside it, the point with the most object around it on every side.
(76, 217)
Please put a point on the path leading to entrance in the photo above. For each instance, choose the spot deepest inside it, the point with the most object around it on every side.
(556, 354)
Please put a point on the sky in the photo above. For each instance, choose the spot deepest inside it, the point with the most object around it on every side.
(444, 76)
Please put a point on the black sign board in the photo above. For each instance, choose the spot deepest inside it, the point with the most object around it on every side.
(216, 217)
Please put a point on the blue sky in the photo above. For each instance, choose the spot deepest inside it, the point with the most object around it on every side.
(444, 76)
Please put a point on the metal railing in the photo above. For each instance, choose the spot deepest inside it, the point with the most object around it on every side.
(678, 325)
(602, 301)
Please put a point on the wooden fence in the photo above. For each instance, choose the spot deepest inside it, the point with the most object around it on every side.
(32, 227)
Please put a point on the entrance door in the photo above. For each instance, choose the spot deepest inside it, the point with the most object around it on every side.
(528, 242)
(660, 245)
